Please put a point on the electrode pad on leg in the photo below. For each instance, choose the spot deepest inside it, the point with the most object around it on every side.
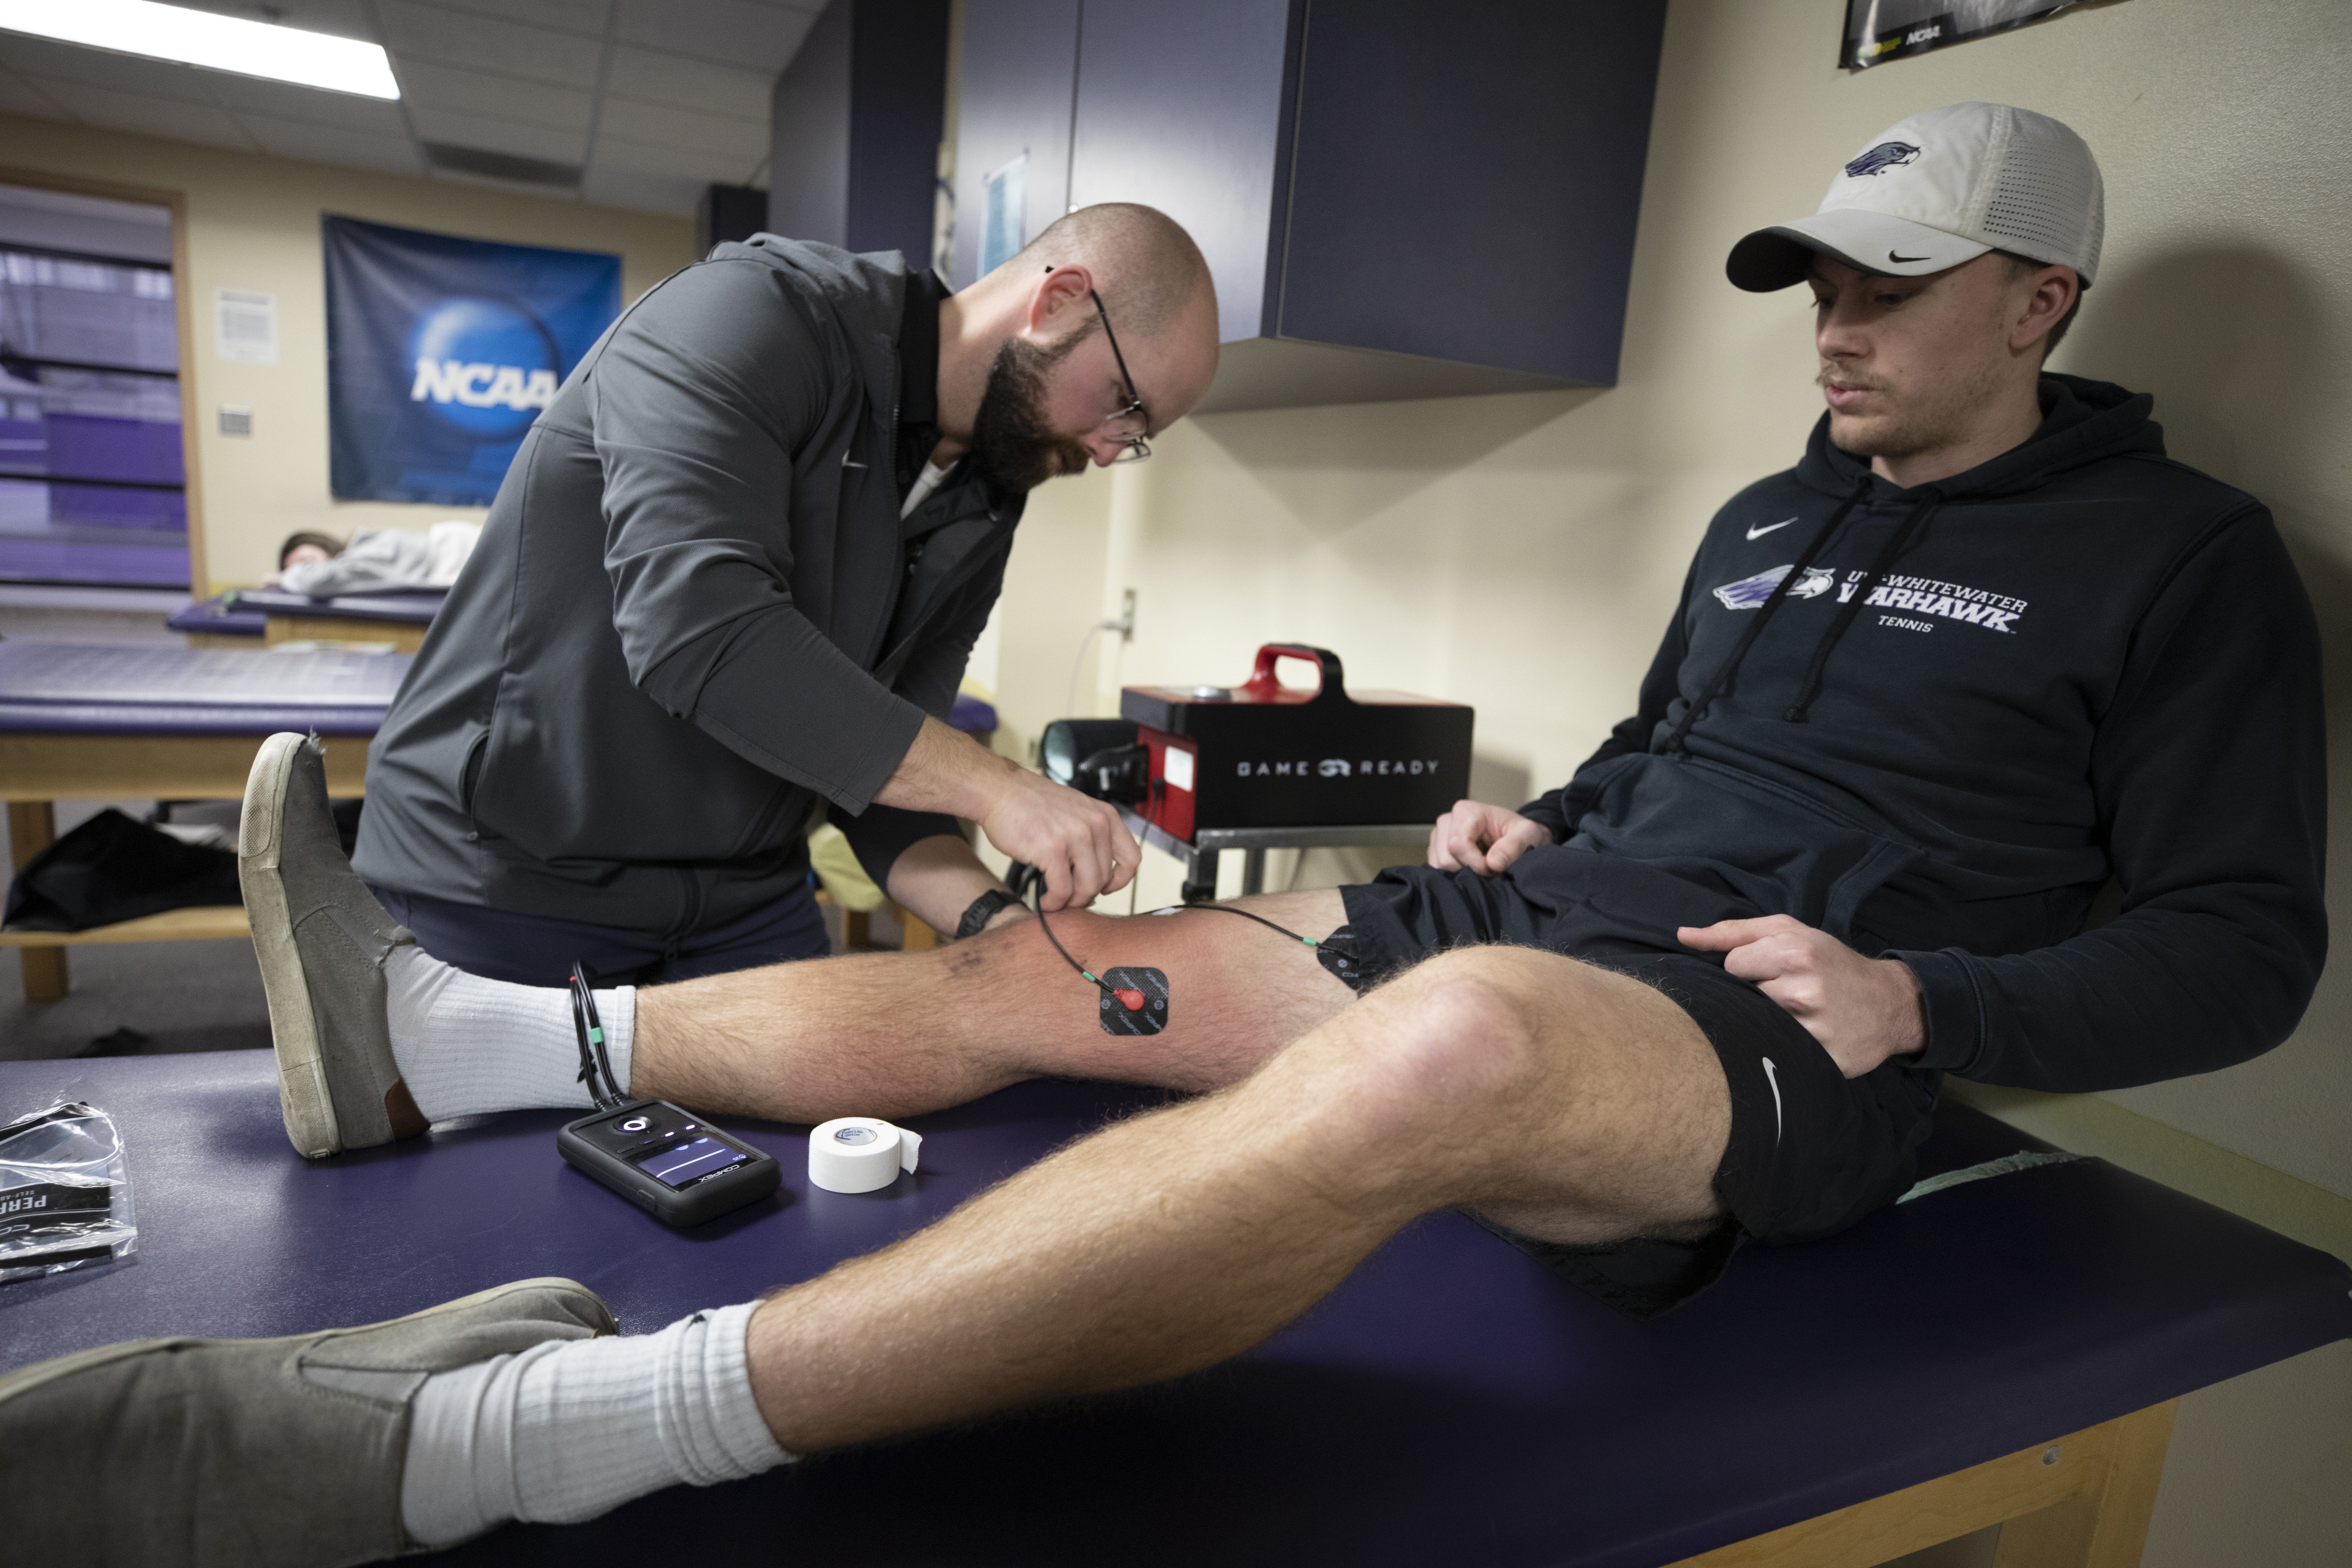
(1133, 1001)
(1128, 1001)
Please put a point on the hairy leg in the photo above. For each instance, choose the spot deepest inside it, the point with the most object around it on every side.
(1576, 1104)
(898, 1034)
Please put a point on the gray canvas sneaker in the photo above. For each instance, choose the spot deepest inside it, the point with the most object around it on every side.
(322, 938)
(283, 1453)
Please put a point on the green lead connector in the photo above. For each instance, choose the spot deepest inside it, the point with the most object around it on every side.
(595, 1037)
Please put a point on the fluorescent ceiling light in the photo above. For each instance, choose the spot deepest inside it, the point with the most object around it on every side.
(203, 38)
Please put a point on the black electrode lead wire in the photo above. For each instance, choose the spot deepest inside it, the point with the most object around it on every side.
(1229, 909)
(590, 1030)
(1039, 906)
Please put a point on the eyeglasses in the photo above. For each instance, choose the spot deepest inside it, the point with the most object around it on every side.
(1137, 448)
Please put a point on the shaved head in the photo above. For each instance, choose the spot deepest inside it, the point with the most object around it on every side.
(1148, 269)
(1032, 385)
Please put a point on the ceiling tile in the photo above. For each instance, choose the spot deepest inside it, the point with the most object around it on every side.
(497, 136)
(654, 78)
(642, 193)
(20, 95)
(243, 95)
(734, 139)
(343, 18)
(330, 144)
(102, 67)
(500, 97)
(150, 116)
(676, 162)
(564, 15)
(520, 187)
(484, 43)
(732, 32)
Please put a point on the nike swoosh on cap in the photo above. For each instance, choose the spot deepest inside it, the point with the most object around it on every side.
(1892, 256)
(1760, 532)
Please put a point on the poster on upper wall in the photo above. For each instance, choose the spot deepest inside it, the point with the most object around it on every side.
(1005, 226)
(441, 351)
(1877, 31)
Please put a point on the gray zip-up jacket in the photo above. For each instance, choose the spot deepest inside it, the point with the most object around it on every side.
(694, 614)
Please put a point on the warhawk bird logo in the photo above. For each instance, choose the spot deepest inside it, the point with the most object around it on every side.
(1750, 592)
(1879, 159)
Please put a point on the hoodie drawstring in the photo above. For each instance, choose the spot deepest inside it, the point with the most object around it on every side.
(1722, 681)
(1887, 555)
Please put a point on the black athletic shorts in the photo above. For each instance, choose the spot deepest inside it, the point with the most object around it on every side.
(1811, 1152)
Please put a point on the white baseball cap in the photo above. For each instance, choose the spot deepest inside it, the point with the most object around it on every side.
(1941, 188)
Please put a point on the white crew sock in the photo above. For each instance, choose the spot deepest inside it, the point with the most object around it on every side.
(467, 1045)
(570, 1429)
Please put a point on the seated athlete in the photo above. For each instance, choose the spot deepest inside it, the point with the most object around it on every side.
(1983, 650)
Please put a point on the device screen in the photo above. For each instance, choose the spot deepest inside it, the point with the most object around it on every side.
(690, 1161)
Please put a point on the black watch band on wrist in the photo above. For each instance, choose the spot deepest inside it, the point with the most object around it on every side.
(981, 911)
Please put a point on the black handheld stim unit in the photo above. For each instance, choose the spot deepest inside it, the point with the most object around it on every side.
(666, 1160)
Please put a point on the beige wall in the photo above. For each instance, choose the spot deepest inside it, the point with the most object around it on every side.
(253, 223)
(1523, 553)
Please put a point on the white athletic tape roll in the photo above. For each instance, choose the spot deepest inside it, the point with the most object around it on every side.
(860, 1153)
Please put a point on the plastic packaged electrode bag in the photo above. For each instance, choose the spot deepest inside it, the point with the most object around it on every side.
(65, 1192)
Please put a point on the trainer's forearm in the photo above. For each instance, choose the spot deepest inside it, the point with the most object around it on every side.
(938, 879)
(947, 771)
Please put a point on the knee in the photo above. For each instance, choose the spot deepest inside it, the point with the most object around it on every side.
(1458, 1037)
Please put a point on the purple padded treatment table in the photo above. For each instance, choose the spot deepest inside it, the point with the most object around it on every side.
(399, 618)
(1452, 1402)
(108, 723)
(219, 622)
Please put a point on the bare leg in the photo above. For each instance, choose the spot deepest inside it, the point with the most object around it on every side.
(897, 1034)
(1572, 1102)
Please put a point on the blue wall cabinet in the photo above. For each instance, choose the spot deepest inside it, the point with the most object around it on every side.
(1017, 71)
(853, 128)
(1400, 198)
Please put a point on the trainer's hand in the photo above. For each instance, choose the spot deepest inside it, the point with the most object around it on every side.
(1861, 1010)
(1475, 836)
(1076, 841)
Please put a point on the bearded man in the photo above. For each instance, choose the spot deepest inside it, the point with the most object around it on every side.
(733, 576)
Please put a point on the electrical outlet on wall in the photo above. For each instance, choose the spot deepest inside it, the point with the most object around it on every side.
(1125, 623)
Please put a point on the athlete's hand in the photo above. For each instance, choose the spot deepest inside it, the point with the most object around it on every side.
(1475, 836)
(1078, 841)
(1861, 1010)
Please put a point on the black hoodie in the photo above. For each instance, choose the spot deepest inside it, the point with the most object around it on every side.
(1961, 709)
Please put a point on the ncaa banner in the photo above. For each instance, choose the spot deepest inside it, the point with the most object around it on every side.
(442, 351)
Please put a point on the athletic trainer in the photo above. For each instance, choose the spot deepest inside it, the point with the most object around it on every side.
(732, 578)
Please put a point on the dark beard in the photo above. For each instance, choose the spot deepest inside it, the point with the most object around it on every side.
(1012, 446)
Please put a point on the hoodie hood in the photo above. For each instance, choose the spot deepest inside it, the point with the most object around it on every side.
(2082, 422)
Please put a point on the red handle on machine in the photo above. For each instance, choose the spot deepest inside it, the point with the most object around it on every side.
(1331, 683)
